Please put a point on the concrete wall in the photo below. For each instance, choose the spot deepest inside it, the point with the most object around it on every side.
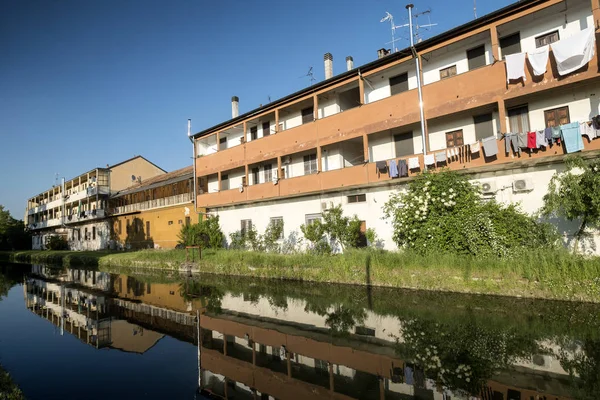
(165, 225)
(377, 86)
(120, 175)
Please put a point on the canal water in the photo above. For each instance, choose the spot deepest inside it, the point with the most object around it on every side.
(85, 334)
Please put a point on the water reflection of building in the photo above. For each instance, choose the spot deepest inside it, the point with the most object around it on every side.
(77, 302)
(254, 347)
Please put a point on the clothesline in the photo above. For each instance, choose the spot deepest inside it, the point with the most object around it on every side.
(571, 134)
(570, 54)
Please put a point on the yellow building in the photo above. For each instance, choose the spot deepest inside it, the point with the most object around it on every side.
(151, 213)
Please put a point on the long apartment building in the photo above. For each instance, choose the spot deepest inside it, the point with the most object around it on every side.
(340, 140)
(78, 208)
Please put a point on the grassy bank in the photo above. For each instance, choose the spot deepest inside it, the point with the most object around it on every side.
(58, 257)
(8, 389)
(542, 274)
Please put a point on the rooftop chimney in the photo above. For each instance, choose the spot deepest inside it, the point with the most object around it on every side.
(383, 52)
(235, 107)
(349, 63)
(328, 58)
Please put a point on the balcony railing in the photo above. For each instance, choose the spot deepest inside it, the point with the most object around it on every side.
(150, 204)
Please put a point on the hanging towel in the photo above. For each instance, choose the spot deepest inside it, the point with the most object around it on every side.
(474, 147)
(588, 130)
(538, 59)
(522, 139)
(575, 51)
(440, 157)
(413, 163)
(548, 135)
(393, 170)
(449, 154)
(429, 159)
(515, 67)
(489, 146)
(556, 134)
(540, 139)
(402, 168)
(531, 140)
(381, 167)
(572, 137)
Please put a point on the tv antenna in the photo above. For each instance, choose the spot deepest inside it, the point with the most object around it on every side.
(475, 8)
(310, 75)
(416, 26)
(56, 179)
(390, 17)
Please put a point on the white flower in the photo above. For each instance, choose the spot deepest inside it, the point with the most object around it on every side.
(451, 190)
(468, 379)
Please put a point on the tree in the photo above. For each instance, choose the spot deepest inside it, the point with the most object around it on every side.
(574, 194)
(207, 233)
(443, 212)
(343, 230)
(13, 234)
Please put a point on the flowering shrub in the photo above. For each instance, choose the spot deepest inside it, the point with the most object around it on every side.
(443, 211)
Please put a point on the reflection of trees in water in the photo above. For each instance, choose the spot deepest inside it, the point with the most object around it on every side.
(9, 277)
(343, 318)
(211, 296)
(463, 356)
(583, 365)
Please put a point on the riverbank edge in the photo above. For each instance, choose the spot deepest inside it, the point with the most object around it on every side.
(8, 388)
(450, 279)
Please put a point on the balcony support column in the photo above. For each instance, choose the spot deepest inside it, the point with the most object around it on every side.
(319, 159)
(361, 89)
(245, 129)
(277, 120)
(495, 42)
(219, 180)
(596, 13)
(315, 107)
(366, 147)
(246, 182)
(279, 173)
(218, 136)
(502, 116)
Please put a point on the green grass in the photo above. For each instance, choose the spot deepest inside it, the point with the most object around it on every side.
(554, 274)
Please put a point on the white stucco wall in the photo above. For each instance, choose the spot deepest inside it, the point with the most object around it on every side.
(383, 147)
(377, 86)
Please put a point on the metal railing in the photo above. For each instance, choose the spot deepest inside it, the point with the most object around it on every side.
(149, 204)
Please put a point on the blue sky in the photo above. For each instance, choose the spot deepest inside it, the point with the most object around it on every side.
(89, 83)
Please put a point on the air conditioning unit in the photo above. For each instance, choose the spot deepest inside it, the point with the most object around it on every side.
(324, 206)
(488, 187)
(522, 185)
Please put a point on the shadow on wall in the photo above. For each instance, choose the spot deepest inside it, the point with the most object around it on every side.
(588, 244)
(137, 238)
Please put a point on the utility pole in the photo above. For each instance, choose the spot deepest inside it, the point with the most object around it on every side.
(409, 7)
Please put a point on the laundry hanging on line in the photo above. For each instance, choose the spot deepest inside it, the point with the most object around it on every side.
(575, 51)
(515, 67)
(538, 59)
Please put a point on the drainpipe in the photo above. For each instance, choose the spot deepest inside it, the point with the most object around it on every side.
(193, 165)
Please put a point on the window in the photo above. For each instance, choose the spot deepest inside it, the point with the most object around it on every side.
(483, 126)
(255, 178)
(279, 220)
(357, 198)
(148, 229)
(266, 128)
(187, 221)
(268, 172)
(518, 117)
(254, 133)
(546, 39)
(404, 144)
(120, 227)
(307, 115)
(222, 143)
(476, 57)
(224, 182)
(93, 233)
(454, 138)
(310, 164)
(170, 223)
(510, 44)
(85, 232)
(363, 330)
(79, 234)
(556, 117)
(180, 222)
(245, 226)
(399, 83)
(310, 218)
(448, 72)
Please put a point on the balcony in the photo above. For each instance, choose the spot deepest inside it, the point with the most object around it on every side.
(80, 195)
(85, 216)
(150, 204)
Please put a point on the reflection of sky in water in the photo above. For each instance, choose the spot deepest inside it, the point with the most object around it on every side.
(134, 337)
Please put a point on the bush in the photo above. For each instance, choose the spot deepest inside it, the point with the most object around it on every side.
(207, 233)
(56, 242)
(443, 212)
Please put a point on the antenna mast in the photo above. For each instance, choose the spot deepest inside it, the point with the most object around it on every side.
(475, 8)
(390, 17)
